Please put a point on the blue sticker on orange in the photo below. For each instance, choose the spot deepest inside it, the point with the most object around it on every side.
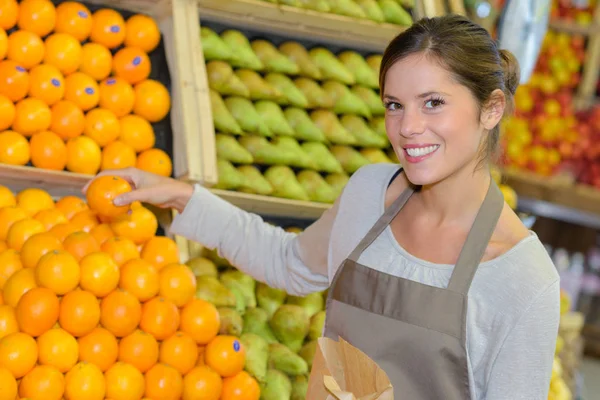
(115, 29)
(55, 82)
(20, 69)
(89, 90)
(137, 60)
(111, 81)
(82, 14)
(236, 345)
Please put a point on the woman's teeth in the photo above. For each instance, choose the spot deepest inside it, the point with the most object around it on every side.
(421, 151)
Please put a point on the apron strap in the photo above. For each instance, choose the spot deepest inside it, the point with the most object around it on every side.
(477, 240)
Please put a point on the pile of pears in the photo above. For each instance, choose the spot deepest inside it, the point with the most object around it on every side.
(292, 122)
(279, 331)
(390, 11)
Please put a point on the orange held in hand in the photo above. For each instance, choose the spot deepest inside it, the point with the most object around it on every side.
(102, 192)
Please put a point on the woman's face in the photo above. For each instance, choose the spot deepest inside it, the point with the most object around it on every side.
(432, 122)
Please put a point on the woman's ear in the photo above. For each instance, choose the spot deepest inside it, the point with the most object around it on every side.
(494, 110)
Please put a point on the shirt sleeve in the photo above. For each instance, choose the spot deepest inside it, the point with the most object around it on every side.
(295, 263)
(523, 368)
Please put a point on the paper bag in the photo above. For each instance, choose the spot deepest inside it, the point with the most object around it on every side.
(342, 372)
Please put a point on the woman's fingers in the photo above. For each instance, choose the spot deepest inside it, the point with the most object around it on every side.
(143, 195)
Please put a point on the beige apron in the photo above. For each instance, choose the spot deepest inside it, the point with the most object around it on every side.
(415, 332)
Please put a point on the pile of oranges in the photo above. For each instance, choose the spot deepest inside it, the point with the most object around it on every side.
(96, 306)
(75, 92)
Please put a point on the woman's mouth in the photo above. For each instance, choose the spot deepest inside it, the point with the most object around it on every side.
(416, 154)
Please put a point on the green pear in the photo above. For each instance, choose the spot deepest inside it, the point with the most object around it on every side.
(210, 289)
(298, 53)
(372, 10)
(345, 101)
(321, 155)
(394, 13)
(365, 137)
(244, 55)
(259, 88)
(317, 323)
(277, 386)
(229, 177)
(256, 321)
(255, 182)
(317, 188)
(201, 266)
(350, 158)
(269, 299)
(347, 7)
(292, 3)
(291, 325)
(378, 126)
(363, 74)
(290, 93)
(374, 61)
(299, 387)
(222, 118)
(272, 59)
(303, 126)
(222, 79)
(213, 255)
(231, 321)
(330, 66)
(242, 282)
(284, 181)
(285, 360)
(375, 156)
(314, 93)
(337, 182)
(370, 98)
(229, 149)
(265, 153)
(307, 352)
(213, 47)
(329, 123)
(289, 144)
(246, 116)
(257, 355)
(273, 117)
(317, 5)
(313, 302)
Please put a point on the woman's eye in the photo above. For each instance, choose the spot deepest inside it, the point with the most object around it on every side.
(393, 106)
(433, 103)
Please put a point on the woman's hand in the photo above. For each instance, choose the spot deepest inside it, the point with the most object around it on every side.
(150, 188)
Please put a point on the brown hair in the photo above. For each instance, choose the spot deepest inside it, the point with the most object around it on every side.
(466, 50)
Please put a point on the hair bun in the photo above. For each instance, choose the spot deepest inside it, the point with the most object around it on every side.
(512, 71)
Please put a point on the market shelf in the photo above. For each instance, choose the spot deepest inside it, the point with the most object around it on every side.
(566, 26)
(300, 23)
(57, 183)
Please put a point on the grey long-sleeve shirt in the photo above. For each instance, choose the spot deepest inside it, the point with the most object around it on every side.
(513, 305)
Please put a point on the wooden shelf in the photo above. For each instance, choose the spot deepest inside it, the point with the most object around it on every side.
(300, 23)
(57, 183)
(573, 28)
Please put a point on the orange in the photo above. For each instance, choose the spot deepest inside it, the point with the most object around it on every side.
(8, 321)
(155, 161)
(9, 13)
(99, 274)
(84, 381)
(14, 80)
(10, 262)
(22, 230)
(58, 271)
(70, 205)
(18, 284)
(7, 112)
(142, 32)
(46, 83)
(18, 353)
(57, 348)
(37, 311)
(38, 16)
(81, 244)
(117, 95)
(139, 278)
(121, 249)
(7, 198)
(3, 246)
(102, 126)
(73, 18)
(50, 218)
(82, 90)
(14, 148)
(200, 319)
(120, 312)
(137, 133)
(202, 383)
(68, 120)
(8, 216)
(124, 382)
(48, 151)
(101, 233)
(99, 347)
(83, 155)
(101, 193)
(96, 61)
(152, 100)
(31, 116)
(37, 246)
(42, 382)
(3, 43)
(163, 382)
(34, 200)
(108, 28)
(139, 225)
(240, 387)
(79, 312)
(177, 283)
(226, 355)
(8, 383)
(85, 220)
(131, 64)
(160, 318)
(25, 48)
(139, 349)
(64, 52)
(117, 155)
(179, 351)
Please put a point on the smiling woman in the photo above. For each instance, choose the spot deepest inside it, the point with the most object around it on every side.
(430, 273)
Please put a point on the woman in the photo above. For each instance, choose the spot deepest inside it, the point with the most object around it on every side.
(430, 272)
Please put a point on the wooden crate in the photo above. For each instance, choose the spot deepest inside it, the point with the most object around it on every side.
(194, 153)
